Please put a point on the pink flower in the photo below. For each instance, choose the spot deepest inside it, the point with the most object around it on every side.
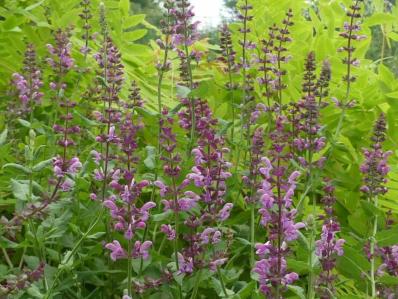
(117, 252)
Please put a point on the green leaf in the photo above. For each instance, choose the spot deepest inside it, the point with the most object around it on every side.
(124, 6)
(246, 291)
(299, 291)
(393, 36)
(20, 190)
(150, 160)
(96, 235)
(183, 91)
(379, 18)
(393, 95)
(67, 261)
(162, 216)
(33, 6)
(132, 21)
(388, 280)
(3, 136)
(243, 241)
(387, 237)
(24, 123)
(34, 291)
(88, 122)
(5, 243)
(132, 36)
(41, 165)
(18, 167)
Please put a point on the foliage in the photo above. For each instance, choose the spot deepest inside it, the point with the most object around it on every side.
(90, 228)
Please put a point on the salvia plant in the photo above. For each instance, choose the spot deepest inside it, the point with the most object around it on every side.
(145, 162)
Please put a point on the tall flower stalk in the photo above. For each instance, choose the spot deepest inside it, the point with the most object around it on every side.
(228, 57)
(329, 246)
(86, 15)
(209, 174)
(61, 62)
(266, 68)
(127, 217)
(375, 169)
(307, 143)
(252, 183)
(174, 197)
(277, 215)
(282, 36)
(164, 65)
(185, 34)
(109, 60)
(350, 33)
(247, 86)
(29, 82)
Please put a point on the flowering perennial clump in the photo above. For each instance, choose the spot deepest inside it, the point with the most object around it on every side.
(375, 167)
(277, 216)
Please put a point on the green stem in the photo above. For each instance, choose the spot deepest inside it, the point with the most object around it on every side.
(372, 251)
(7, 258)
(129, 262)
(162, 244)
(252, 234)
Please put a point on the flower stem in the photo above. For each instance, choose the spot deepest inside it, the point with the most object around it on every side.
(129, 260)
(372, 251)
(252, 234)
(7, 258)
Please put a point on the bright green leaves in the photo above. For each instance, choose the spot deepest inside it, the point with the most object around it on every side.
(134, 35)
(124, 6)
(132, 21)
